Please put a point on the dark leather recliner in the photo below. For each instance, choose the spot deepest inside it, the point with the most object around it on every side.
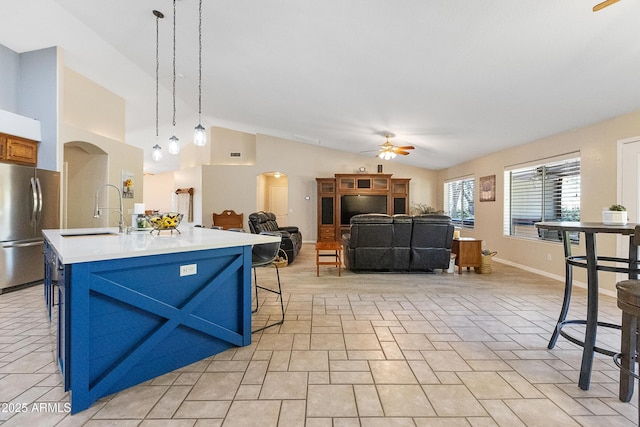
(371, 239)
(380, 242)
(401, 245)
(291, 236)
(431, 240)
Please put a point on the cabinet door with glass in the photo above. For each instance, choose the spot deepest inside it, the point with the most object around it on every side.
(400, 195)
(326, 209)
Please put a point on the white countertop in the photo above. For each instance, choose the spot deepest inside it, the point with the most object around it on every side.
(93, 244)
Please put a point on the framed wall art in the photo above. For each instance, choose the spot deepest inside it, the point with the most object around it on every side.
(488, 188)
(127, 185)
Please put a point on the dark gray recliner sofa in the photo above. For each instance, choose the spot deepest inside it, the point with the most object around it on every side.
(291, 236)
(379, 242)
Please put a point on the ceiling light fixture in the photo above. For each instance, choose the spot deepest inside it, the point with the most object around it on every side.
(174, 142)
(156, 153)
(200, 134)
(386, 155)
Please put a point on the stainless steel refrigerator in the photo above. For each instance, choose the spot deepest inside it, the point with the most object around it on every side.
(29, 203)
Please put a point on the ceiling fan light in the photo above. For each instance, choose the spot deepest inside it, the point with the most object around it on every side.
(174, 145)
(200, 136)
(156, 153)
(386, 155)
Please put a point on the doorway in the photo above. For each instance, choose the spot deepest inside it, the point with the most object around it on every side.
(273, 195)
(628, 187)
(85, 169)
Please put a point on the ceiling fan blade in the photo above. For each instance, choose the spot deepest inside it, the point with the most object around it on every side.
(405, 147)
(604, 4)
(404, 153)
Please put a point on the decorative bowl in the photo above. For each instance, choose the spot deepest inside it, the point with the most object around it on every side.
(165, 221)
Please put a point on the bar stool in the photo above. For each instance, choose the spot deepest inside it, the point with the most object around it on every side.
(629, 302)
(264, 255)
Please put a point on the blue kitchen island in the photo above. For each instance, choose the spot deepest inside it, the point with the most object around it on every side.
(135, 306)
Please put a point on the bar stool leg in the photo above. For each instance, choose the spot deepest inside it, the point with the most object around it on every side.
(592, 313)
(568, 285)
(627, 359)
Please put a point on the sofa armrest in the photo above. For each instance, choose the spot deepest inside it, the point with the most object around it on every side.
(284, 234)
(289, 229)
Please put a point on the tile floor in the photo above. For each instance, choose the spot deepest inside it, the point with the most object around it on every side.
(358, 350)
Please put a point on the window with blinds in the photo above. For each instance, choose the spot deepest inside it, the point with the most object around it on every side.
(544, 192)
(458, 202)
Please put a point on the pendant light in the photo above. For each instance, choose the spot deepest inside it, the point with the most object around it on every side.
(174, 142)
(199, 133)
(156, 153)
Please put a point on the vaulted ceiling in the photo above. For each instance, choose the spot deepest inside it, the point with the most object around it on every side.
(456, 79)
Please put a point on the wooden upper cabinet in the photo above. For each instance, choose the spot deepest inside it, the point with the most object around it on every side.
(14, 149)
(3, 146)
(359, 183)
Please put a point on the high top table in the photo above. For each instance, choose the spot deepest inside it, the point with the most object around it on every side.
(593, 263)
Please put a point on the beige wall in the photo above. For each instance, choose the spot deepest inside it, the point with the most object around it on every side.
(89, 106)
(222, 142)
(158, 191)
(597, 145)
(94, 116)
(120, 157)
(85, 171)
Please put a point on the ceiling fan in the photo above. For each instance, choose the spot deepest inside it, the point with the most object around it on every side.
(604, 4)
(388, 150)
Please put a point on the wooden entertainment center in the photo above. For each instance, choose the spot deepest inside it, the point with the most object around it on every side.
(340, 197)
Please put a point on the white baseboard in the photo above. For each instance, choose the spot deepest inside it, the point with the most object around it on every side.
(551, 276)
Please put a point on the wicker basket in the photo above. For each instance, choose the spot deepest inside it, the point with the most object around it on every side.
(281, 260)
(485, 266)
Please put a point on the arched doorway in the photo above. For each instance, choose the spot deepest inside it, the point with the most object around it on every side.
(273, 195)
(85, 170)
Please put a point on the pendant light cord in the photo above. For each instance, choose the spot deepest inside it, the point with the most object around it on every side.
(157, 67)
(174, 67)
(200, 61)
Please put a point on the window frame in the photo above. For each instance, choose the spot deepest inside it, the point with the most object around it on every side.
(466, 218)
(552, 193)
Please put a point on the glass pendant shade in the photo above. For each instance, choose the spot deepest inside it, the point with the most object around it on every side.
(156, 153)
(174, 145)
(387, 155)
(200, 136)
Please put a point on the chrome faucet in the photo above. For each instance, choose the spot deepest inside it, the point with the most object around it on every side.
(96, 211)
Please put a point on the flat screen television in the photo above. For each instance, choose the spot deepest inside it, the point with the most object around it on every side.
(353, 204)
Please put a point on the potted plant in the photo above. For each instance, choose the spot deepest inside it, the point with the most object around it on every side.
(615, 215)
(422, 208)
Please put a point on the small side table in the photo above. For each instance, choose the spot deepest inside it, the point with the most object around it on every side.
(336, 254)
(468, 252)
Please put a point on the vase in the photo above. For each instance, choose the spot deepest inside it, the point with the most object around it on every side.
(614, 217)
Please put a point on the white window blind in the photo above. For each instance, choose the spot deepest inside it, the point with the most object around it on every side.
(544, 192)
(459, 202)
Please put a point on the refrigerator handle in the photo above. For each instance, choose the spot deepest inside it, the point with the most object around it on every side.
(38, 211)
(34, 201)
